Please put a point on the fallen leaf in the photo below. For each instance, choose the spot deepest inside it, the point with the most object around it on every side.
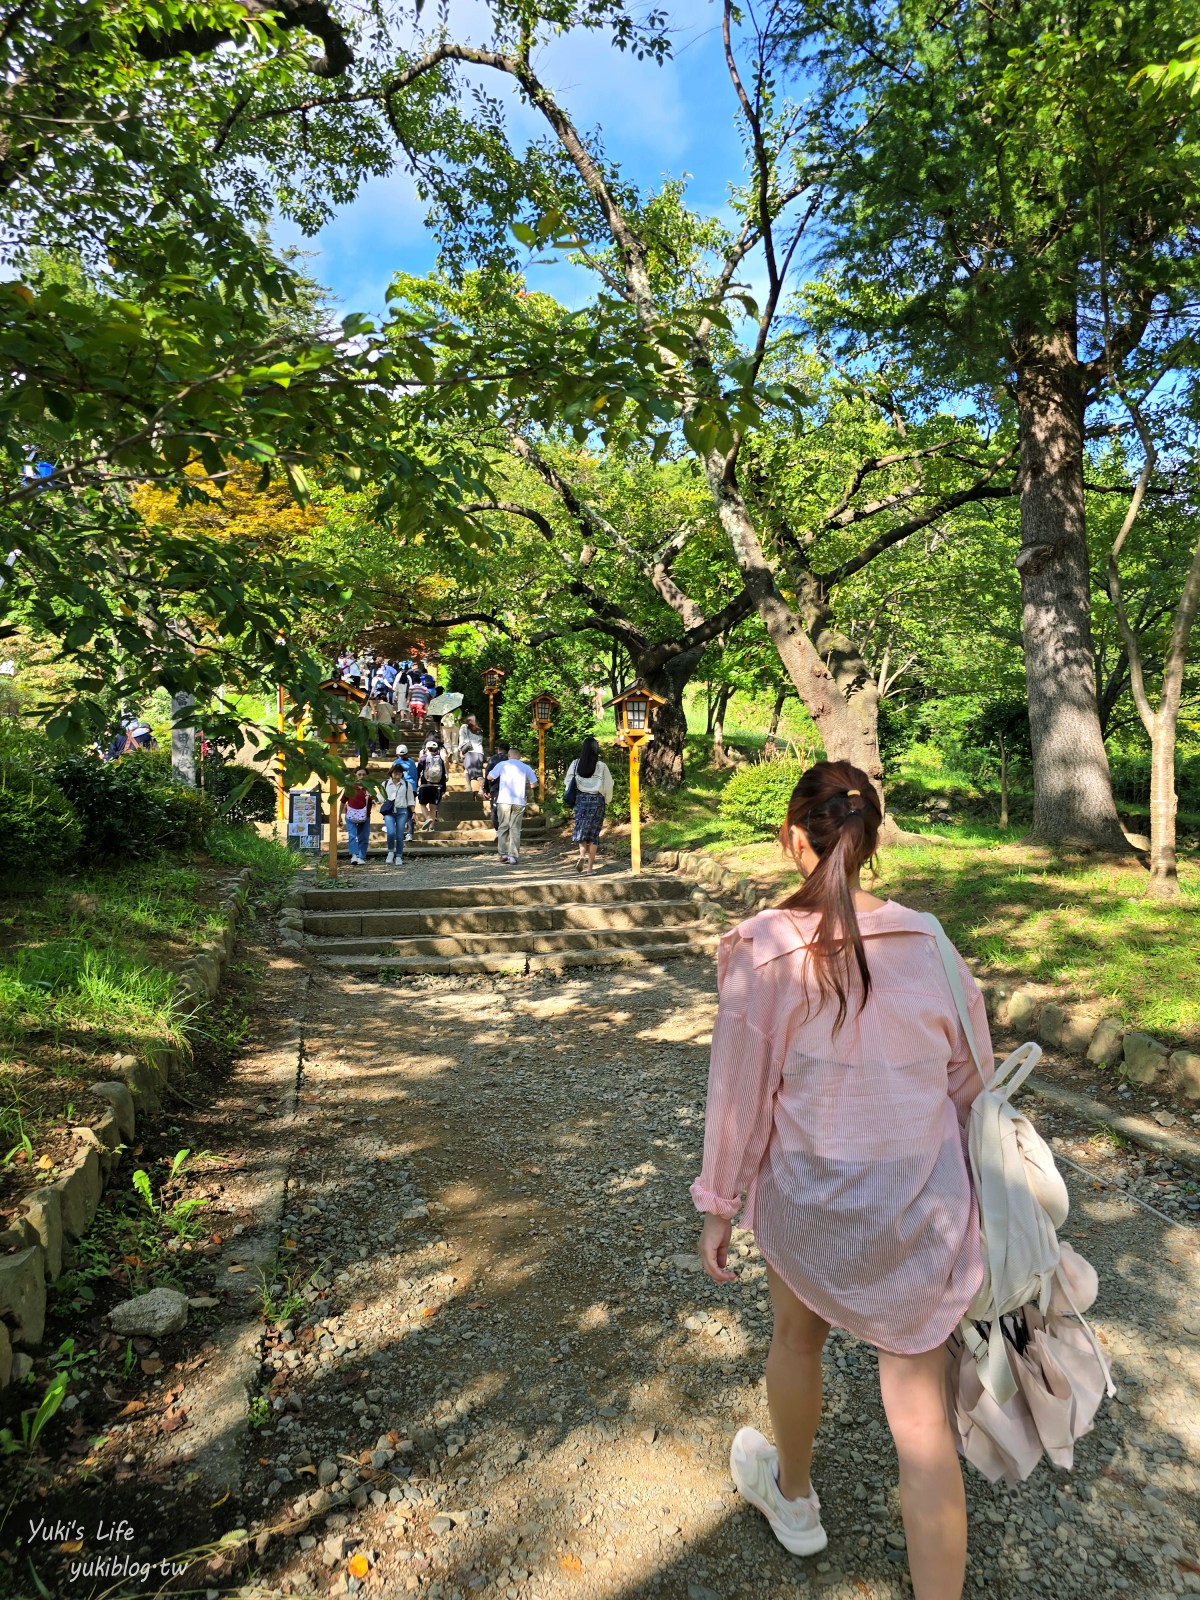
(290, 1244)
(430, 1311)
(45, 1163)
(132, 1409)
(358, 1566)
(236, 1267)
(71, 1547)
(571, 1563)
(476, 1305)
(151, 1364)
(174, 1420)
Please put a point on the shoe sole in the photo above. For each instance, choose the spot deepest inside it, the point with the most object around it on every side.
(797, 1544)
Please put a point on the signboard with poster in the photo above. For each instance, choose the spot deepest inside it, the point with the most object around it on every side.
(305, 819)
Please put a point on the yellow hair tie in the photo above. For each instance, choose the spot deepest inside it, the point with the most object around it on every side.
(849, 792)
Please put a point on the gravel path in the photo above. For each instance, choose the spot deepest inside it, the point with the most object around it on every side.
(506, 1375)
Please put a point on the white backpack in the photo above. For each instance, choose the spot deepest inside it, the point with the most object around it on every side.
(1022, 1202)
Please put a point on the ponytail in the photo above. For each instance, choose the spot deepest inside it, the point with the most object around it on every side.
(836, 806)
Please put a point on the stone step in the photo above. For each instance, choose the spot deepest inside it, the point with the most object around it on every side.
(401, 923)
(428, 844)
(506, 945)
(521, 962)
(602, 890)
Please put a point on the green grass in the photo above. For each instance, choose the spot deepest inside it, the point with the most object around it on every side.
(272, 865)
(86, 964)
(1084, 929)
(63, 986)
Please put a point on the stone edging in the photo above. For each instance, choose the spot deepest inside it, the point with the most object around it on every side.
(58, 1214)
(1076, 1030)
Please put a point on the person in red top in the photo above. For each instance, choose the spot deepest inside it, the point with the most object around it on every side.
(418, 699)
(356, 814)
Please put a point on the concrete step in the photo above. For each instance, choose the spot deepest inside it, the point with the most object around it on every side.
(501, 945)
(521, 962)
(400, 923)
(356, 896)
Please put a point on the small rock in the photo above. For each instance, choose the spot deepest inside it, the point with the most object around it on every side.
(1165, 1119)
(328, 1472)
(441, 1524)
(1143, 1058)
(152, 1315)
(698, 1591)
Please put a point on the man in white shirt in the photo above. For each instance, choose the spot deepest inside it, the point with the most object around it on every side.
(514, 779)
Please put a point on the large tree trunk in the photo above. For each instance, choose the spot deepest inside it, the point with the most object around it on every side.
(1072, 788)
(662, 758)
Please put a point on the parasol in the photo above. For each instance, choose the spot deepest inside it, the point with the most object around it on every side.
(444, 703)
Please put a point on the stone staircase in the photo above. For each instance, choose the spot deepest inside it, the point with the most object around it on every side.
(509, 925)
(464, 828)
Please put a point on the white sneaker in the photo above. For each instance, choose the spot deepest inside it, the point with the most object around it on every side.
(389, 858)
(795, 1523)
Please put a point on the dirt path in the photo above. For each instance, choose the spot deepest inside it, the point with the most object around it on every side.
(490, 1364)
(525, 1385)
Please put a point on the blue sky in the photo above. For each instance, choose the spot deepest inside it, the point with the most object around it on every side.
(657, 122)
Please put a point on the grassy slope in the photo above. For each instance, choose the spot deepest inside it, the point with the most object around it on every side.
(1084, 929)
(85, 963)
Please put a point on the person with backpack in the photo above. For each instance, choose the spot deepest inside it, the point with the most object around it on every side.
(840, 1087)
(356, 814)
(491, 783)
(399, 798)
(431, 781)
(588, 789)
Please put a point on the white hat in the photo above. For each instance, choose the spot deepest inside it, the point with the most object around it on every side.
(401, 749)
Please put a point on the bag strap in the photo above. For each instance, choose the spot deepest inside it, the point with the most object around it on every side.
(950, 966)
(1019, 1063)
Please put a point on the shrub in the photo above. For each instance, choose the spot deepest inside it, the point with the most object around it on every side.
(39, 828)
(757, 797)
(222, 781)
(134, 806)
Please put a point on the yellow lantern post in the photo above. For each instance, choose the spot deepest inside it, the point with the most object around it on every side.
(634, 712)
(492, 679)
(544, 707)
(280, 764)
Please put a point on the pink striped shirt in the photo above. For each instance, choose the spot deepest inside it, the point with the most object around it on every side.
(848, 1147)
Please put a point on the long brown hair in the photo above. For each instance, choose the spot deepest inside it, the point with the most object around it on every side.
(836, 806)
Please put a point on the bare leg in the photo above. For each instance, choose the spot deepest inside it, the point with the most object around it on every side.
(932, 1500)
(794, 1385)
(591, 856)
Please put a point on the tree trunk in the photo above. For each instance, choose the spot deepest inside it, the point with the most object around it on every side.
(1003, 783)
(1164, 868)
(720, 706)
(839, 694)
(710, 708)
(776, 712)
(1072, 787)
(662, 758)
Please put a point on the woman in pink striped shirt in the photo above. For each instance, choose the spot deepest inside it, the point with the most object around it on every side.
(837, 1100)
